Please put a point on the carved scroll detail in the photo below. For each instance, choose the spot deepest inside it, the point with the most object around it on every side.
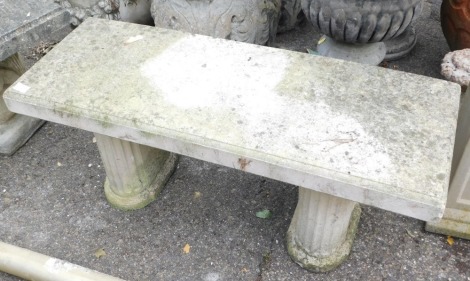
(252, 21)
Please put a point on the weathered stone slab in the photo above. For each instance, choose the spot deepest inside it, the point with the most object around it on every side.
(24, 22)
(367, 134)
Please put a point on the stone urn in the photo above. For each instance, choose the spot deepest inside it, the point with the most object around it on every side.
(356, 29)
(251, 21)
(455, 22)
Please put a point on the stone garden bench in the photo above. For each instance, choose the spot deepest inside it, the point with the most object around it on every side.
(344, 132)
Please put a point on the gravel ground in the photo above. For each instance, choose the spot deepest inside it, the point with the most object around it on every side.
(52, 202)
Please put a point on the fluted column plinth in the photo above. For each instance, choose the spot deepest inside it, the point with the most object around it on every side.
(135, 174)
(322, 230)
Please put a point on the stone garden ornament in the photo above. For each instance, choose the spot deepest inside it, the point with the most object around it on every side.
(252, 21)
(82, 9)
(135, 11)
(356, 29)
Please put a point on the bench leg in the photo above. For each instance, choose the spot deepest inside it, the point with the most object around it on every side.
(456, 219)
(15, 129)
(135, 173)
(322, 230)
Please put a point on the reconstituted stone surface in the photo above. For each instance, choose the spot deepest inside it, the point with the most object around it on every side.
(60, 210)
(25, 22)
(364, 135)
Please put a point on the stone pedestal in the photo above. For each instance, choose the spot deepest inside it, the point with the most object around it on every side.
(322, 230)
(15, 129)
(371, 54)
(135, 173)
(401, 45)
(456, 219)
(25, 23)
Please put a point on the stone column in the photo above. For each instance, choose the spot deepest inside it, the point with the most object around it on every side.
(456, 219)
(15, 129)
(135, 173)
(322, 230)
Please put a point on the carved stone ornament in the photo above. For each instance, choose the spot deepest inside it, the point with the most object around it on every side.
(82, 9)
(362, 21)
(251, 21)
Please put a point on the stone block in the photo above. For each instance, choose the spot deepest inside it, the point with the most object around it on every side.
(25, 22)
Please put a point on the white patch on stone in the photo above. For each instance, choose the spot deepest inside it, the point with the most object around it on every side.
(234, 74)
(133, 39)
(20, 87)
(238, 81)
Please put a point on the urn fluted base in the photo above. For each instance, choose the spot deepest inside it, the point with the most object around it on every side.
(371, 54)
(365, 22)
(322, 230)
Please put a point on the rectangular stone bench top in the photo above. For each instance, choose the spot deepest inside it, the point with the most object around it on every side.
(368, 134)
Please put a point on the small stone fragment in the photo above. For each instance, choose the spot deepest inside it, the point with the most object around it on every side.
(264, 214)
(456, 67)
(100, 253)
(186, 249)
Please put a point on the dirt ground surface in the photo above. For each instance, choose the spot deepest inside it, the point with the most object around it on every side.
(52, 202)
